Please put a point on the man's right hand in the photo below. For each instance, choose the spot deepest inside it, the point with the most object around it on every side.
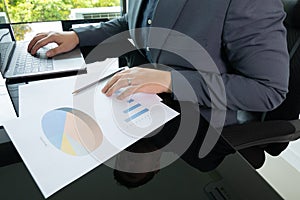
(66, 41)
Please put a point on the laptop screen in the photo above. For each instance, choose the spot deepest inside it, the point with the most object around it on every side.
(6, 33)
(6, 37)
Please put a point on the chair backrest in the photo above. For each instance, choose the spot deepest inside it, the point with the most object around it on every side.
(290, 108)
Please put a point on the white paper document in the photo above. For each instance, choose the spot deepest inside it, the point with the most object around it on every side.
(60, 137)
(7, 111)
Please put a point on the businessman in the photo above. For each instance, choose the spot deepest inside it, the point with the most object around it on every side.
(245, 39)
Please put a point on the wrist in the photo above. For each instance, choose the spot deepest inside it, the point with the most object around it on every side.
(75, 37)
(167, 81)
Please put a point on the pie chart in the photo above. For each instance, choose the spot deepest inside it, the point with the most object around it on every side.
(72, 131)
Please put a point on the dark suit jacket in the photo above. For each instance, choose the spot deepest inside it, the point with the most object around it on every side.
(245, 39)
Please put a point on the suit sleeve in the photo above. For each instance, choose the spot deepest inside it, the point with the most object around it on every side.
(254, 40)
(94, 35)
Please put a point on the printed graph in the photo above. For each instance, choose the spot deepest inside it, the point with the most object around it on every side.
(136, 114)
(72, 131)
(135, 118)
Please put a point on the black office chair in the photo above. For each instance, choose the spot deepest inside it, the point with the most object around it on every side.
(281, 125)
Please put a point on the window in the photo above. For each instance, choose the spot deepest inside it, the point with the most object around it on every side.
(21, 13)
(96, 13)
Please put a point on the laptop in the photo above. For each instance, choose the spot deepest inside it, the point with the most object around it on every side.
(17, 65)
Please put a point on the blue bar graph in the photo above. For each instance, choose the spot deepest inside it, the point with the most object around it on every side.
(132, 108)
(130, 101)
(137, 115)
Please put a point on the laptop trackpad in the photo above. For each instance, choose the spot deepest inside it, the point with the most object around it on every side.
(70, 60)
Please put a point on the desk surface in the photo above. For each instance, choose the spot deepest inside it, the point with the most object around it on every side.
(231, 180)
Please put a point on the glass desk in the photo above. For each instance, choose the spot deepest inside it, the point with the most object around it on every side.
(233, 179)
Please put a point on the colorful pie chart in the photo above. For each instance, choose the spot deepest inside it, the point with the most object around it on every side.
(72, 131)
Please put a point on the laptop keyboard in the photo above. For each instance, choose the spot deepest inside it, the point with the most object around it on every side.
(26, 63)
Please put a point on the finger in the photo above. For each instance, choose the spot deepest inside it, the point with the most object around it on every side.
(125, 71)
(35, 40)
(127, 92)
(121, 83)
(111, 82)
(57, 50)
(42, 42)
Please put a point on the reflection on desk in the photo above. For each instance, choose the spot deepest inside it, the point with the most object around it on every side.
(231, 180)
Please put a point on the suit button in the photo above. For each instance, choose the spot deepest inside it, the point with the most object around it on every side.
(149, 21)
(147, 49)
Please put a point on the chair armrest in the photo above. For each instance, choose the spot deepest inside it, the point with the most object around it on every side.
(259, 133)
